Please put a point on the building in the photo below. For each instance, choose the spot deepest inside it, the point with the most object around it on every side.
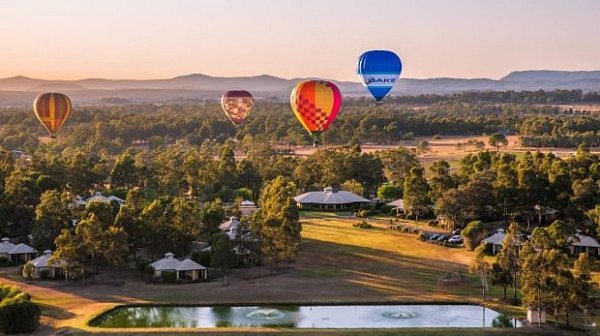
(17, 253)
(41, 267)
(579, 243)
(330, 199)
(535, 316)
(98, 197)
(248, 207)
(398, 206)
(186, 269)
(231, 227)
(582, 243)
(495, 240)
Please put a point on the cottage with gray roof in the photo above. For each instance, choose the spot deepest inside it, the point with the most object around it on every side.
(330, 199)
(186, 269)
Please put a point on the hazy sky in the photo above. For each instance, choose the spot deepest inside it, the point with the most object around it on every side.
(62, 39)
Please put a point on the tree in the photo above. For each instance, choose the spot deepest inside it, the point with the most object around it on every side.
(51, 217)
(534, 280)
(67, 253)
(441, 179)
(416, 192)
(353, 186)
(500, 276)
(115, 246)
(389, 191)
(222, 256)
(124, 174)
(472, 234)
(481, 268)
(90, 236)
(212, 215)
(397, 164)
(498, 140)
(583, 285)
(277, 221)
(508, 258)
(452, 205)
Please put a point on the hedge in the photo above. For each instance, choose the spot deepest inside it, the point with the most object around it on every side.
(18, 314)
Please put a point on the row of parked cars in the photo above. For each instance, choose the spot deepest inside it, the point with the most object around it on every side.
(452, 239)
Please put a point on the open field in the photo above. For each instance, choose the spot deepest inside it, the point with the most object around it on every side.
(338, 263)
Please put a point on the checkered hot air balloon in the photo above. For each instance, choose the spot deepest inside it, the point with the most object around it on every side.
(316, 104)
(237, 105)
(52, 110)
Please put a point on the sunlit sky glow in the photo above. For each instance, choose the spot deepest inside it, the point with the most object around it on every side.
(71, 39)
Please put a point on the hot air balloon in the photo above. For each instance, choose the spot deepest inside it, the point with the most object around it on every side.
(52, 110)
(316, 104)
(237, 105)
(379, 70)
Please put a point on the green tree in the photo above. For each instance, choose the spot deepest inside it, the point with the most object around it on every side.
(508, 258)
(452, 206)
(51, 217)
(501, 277)
(277, 221)
(90, 235)
(480, 267)
(223, 256)
(353, 186)
(416, 192)
(124, 174)
(67, 254)
(389, 191)
(211, 215)
(441, 180)
(397, 164)
(583, 285)
(472, 234)
(498, 140)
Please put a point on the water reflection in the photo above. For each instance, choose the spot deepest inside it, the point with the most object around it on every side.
(291, 316)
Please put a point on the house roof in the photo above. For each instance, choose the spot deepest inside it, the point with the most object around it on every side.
(98, 197)
(43, 260)
(22, 249)
(188, 265)
(231, 227)
(495, 239)
(329, 196)
(399, 203)
(585, 241)
(247, 203)
(170, 263)
(6, 246)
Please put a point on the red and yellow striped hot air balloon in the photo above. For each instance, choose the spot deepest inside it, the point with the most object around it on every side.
(52, 110)
(316, 104)
(237, 105)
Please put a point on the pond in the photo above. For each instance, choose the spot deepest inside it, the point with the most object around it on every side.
(293, 316)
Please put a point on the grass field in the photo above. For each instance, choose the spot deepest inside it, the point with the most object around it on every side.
(338, 263)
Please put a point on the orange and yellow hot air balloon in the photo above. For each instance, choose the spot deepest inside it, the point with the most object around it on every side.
(237, 105)
(316, 104)
(52, 110)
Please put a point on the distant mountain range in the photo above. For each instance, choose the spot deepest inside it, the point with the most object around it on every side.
(20, 90)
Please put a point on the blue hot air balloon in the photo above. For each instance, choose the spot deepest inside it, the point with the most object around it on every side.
(379, 70)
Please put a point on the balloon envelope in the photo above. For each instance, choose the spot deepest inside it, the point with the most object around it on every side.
(379, 70)
(316, 104)
(52, 110)
(237, 105)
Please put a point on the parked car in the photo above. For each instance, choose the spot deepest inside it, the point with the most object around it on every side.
(442, 238)
(456, 239)
(434, 237)
(424, 236)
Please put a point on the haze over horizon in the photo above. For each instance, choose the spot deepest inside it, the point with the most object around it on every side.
(69, 39)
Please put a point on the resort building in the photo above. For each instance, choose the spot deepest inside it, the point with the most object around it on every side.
(98, 197)
(17, 253)
(330, 199)
(186, 269)
(579, 243)
(41, 267)
(397, 206)
(231, 227)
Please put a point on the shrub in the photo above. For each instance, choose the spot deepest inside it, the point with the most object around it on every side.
(169, 276)
(7, 263)
(17, 313)
(472, 234)
(202, 258)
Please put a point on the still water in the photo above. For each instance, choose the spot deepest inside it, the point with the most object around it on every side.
(290, 316)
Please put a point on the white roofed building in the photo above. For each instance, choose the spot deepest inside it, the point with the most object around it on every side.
(495, 240)
(582, 243)
(231, 227)
(98, 197)
(17, 253)
(186, 269)
(330, 199)
(41, 267)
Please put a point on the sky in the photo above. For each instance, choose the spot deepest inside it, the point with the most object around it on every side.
(142, 39)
